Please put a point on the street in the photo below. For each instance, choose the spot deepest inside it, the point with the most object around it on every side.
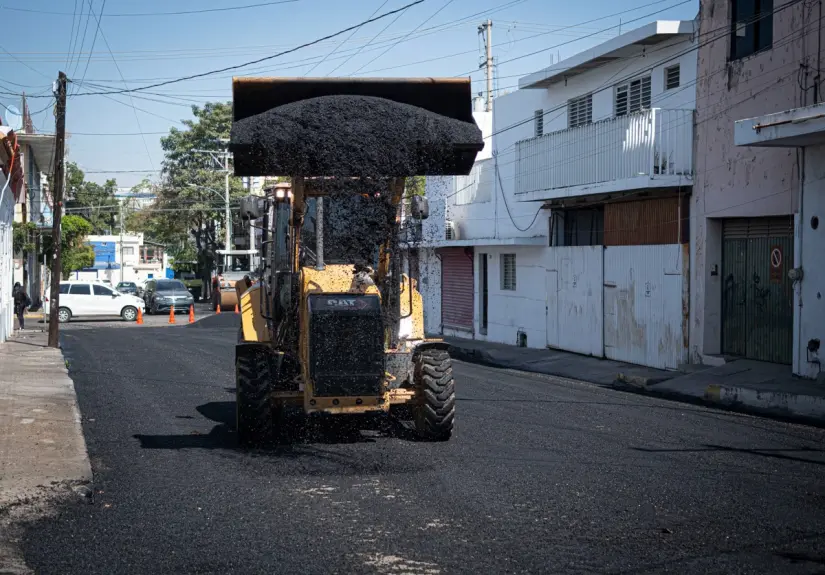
(543, 475)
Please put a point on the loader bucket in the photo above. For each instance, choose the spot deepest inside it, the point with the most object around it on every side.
(356, 127)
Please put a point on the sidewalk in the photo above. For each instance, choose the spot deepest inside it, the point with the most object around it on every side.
(551, 362)
(41, 440)
(742, 385)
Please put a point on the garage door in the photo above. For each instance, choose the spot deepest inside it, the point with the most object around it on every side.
(457, 288)
(757, 296)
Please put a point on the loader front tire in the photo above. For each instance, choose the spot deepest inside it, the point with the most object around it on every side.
(254, 414)
(434, 410)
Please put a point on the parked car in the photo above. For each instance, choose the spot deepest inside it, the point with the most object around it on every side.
(160, 295)
(127, 288)
(94, 299)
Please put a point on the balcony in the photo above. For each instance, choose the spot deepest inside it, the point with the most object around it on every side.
(648, 149)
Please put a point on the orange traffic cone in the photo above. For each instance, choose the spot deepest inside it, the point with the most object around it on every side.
(191, 314)
(218, 308)
(140, 317)
(236, 308)
(172, 315)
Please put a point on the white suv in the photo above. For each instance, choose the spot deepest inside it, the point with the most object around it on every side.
(93, 299)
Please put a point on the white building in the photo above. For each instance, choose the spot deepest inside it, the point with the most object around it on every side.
(803, 129)
(571, 232)
(10, 185)
(35, 155)
(134, 261)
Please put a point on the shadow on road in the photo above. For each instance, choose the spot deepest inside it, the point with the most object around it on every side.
(779, 453)
(295, 429)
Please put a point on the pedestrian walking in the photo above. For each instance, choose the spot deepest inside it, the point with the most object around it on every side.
(21, 303)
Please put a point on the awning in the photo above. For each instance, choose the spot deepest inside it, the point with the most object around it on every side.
(788, 129)
(42, 146)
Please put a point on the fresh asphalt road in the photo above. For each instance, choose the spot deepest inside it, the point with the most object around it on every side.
(543, 476)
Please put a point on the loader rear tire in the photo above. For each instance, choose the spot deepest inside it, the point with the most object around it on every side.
(434, 410)
(254, 413)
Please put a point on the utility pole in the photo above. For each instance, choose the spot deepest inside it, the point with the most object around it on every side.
(57, 211)
(227, 235)
(487, 30)
(120, 217)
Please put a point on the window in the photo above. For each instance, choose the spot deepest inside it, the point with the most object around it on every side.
(577, 227)
(128, 250)
(633, 96)
(508, 272)
(102, 290)
(167, 286)
(751, 27)
(64, 288)
(580, 111)
(80, 289)
(672, 77)
(539, 117)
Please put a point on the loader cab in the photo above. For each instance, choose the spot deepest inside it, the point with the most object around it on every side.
(354, 228)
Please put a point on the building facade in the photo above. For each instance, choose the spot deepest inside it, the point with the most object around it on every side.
(573, 222)
(750, 227)
(127, 258)
(36, 153)
(11, 185)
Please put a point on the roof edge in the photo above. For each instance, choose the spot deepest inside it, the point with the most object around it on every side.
(672, 28)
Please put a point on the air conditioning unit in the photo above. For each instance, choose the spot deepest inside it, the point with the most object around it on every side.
(451, 230)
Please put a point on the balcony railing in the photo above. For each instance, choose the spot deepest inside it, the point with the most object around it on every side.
(635, 150)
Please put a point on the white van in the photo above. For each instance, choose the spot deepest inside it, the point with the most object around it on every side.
(94, 299)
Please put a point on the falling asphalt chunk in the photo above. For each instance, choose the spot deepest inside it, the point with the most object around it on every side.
(354, 136)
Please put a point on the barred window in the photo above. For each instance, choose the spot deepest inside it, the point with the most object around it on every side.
(672, 77)
(633, 96)
(508, 272)
(580, 111)
(539, 118)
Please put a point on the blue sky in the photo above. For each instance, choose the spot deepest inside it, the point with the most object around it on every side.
(108, 134)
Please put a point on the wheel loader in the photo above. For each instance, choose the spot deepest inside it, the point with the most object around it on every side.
(330, 323)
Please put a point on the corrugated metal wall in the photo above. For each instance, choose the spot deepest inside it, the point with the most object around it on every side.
(643, 317)
(757, 297)
(645, 222)
(456, 288)
(574, 299)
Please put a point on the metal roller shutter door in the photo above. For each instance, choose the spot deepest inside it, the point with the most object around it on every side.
(757, 295)
(456, 288)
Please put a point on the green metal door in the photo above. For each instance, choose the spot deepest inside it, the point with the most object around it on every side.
(757, 296)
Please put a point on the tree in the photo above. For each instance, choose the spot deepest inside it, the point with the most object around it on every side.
(75, 252)
(91, 200)
(190, 202)
(23, 237)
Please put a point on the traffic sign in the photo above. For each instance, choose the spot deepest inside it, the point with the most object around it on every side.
(776, 264)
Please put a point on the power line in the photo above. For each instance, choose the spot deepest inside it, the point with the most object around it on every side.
(117, 67)
(436, 13)
(344, 41)
(71, 37)
(370, 41)
(139, 14)
(94, 38)
(83, 40)
(259, 60)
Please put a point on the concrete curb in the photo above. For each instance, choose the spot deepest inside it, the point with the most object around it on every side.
(806, 407)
